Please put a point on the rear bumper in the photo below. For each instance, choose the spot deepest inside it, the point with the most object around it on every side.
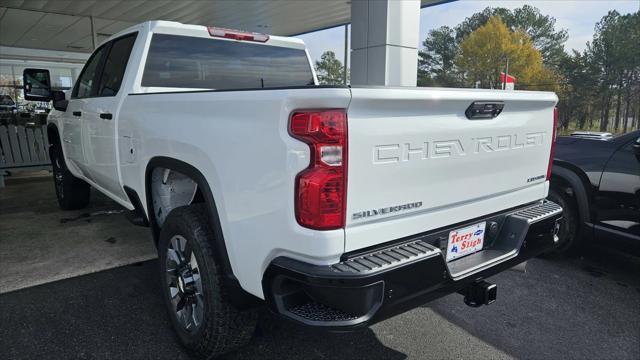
(377, 283)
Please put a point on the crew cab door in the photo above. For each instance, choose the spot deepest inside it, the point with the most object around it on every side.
(99, 116)
(73, 118)
(618, 198)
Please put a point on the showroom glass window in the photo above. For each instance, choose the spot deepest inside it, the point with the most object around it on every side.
(203, 63)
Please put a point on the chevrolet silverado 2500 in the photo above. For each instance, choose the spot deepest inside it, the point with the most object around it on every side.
(335, 206)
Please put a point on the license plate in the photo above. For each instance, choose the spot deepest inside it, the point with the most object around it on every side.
(465, 241)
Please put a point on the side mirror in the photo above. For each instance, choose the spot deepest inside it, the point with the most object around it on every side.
(59, 101)
(36, 84)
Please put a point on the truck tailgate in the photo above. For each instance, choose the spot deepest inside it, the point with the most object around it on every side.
(416, 162)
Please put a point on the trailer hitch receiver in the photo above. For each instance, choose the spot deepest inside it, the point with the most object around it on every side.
(480, 293)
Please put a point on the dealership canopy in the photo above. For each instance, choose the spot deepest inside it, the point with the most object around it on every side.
(384, 32)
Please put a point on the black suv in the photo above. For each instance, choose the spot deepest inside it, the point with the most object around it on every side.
(596, 180)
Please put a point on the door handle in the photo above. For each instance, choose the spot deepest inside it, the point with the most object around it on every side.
(77, 113)
(67, 140)
(106, 116)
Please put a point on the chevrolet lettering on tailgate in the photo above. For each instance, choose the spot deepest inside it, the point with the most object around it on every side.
(392, 153)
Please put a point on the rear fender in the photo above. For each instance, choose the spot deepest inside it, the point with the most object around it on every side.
(238, 296)
(580, 185)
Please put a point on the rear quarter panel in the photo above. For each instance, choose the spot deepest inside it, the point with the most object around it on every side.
(239, 141)
(589, 155)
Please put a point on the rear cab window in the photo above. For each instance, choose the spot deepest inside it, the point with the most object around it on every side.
(176, 61)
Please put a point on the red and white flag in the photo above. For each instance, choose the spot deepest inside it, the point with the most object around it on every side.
(511, 81)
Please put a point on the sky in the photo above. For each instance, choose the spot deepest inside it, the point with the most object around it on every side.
(577, 17)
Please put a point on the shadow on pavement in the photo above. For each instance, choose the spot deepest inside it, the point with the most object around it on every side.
(581, 308)
(284, 340)
(119, 314)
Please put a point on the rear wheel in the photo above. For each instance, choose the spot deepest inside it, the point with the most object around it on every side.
(569, 242)
(72, 193)
(204, 319)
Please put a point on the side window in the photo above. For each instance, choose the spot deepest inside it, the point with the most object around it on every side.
(115, 65)
(86, 85)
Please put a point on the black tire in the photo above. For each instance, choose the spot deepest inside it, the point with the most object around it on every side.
(222, 328)
(72, 193)
(569, 242)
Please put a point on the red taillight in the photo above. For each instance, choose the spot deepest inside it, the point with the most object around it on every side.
(553, 142)
(237, 35)
(321, 188)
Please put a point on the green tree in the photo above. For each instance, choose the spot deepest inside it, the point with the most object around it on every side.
(484, 52)
(329, 69)
(598, 88)
(577, 91)
(615, 53)
(601, 84)
(436, 64)
(539, 27)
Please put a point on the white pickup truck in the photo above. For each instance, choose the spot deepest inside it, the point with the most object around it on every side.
(335, 206)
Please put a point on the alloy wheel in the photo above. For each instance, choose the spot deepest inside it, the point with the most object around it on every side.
(184, 284)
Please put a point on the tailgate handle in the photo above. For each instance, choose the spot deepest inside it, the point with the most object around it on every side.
(484, 110)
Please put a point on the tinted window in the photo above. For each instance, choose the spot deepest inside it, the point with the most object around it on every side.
(115, 65)
(86, 85)
(190, 62)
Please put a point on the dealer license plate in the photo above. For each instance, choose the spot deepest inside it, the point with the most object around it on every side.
(465, 241)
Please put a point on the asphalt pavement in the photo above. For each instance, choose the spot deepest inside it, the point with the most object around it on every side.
(73, 285)
(39, 243)
(583, 308)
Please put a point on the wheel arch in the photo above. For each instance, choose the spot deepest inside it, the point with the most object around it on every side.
(565, 174)
(53, 134)
(203, 194)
